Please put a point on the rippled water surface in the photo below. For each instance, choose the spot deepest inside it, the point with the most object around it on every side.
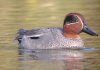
(62, 59)
(28, 14)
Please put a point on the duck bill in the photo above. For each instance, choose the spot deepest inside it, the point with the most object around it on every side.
(87, 30)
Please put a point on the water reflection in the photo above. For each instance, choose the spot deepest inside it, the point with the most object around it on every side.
(62, 59)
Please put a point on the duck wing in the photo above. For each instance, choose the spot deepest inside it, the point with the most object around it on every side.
(34, 33)
(37, 38)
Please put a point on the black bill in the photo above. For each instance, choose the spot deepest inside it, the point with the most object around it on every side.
(87, 30)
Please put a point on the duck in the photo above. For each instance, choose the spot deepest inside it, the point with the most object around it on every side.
(67, 36)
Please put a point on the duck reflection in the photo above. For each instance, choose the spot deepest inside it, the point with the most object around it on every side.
(71, 59)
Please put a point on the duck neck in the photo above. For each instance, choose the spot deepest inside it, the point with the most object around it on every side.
(71, 35)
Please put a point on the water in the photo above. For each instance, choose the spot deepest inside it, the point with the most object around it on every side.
(62, 59)
(28, 14)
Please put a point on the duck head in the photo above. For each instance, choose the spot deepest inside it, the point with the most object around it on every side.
(74, 24)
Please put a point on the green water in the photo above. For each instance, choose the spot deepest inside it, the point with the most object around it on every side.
(28, 14)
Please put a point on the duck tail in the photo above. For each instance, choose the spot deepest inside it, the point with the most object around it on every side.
(19, 35)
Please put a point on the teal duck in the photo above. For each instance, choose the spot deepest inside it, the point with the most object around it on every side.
(56, 38)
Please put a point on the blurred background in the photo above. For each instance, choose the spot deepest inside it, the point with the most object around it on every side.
(28, 14)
